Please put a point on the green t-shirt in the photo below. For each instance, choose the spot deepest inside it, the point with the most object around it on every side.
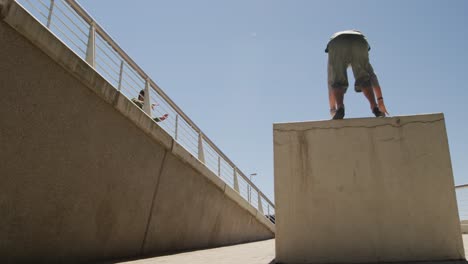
(138, 102)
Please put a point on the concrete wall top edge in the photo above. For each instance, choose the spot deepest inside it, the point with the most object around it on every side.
(370, 122)
(185, 156)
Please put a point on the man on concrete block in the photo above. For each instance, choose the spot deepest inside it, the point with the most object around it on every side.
(350, 48)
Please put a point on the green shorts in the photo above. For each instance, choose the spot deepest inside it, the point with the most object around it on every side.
(345, 51)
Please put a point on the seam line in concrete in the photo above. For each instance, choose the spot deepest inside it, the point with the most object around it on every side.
(173, 142)
(402, 125)
(115, 100)
(152, 203)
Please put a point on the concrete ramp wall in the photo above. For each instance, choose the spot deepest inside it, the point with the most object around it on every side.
(85, 175)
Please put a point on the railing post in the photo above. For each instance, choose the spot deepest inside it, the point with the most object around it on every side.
(219, 166)
(120, 75)
(260, 205)
(51, 9)
(176, 126)
(90, 56)
(249, 193)
(236, 181)
(147, 102)
(201, 154)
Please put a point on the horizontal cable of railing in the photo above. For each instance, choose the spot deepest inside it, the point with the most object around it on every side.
(461, 192)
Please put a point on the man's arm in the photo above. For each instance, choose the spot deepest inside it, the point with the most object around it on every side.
(378, 94)
(139, 103)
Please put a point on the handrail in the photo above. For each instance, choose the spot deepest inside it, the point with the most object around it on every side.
(255, 187)
(461, 193)
(96, 30)
(88, 18)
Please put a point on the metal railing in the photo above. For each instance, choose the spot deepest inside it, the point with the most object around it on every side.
(462, 200)
(82, 34)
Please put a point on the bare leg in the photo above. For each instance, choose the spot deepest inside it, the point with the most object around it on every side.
(332, 102)
(377, 91)
(331, 99)
(369, 94)
(338, 95)
(380, 100)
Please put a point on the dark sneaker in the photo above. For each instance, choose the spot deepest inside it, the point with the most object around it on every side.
(377, 112)
(339, 113)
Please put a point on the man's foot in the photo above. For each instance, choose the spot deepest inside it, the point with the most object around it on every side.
(340, 113)
(377, 112)
(162, 118)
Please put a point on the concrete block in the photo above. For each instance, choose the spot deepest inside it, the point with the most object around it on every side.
(365, 190)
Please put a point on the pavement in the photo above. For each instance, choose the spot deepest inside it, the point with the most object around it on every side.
(262, 252)
(465, 244)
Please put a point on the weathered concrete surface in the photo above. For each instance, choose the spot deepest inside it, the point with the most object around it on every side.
(464, 227)
(198, 215)
(86, 175)
(374, 190)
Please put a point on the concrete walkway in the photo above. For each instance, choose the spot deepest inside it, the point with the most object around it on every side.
(252, 253)
(465, 244)
(262, 252)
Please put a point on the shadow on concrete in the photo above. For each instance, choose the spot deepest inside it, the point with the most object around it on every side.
(142, 257)
(273, 261)
(148, 258)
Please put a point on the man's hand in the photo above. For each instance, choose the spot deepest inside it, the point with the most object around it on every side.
(382, 107)
(154, 105)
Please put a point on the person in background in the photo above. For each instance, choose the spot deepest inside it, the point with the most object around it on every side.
(141, 101)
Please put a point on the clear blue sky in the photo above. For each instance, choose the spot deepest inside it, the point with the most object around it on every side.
(236, 67)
